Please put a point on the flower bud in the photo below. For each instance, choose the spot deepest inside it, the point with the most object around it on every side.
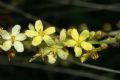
(99, 34)
(118, 37)
(84, 57)
(104, 46)
(83, 27)
(95, 56)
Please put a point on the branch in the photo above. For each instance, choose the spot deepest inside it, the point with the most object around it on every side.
(96, 67)
(112, 7)
(22, 62)
(19, 11)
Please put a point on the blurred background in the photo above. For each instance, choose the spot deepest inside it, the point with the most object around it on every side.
(62, 14)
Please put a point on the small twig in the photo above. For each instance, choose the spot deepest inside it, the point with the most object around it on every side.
(19, 11)
(111, 7)
(22, 62)
(96, 67)
(60, 70)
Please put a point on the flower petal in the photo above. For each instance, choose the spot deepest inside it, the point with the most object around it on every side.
(21, 37)
(50, 30)
(46, 50)
(51, 59)
(16, 30)
(5, 35)
(69, 31)
(63, 34)
(48, 40)
(31, 27)
(74, 34)
(6, 45)
(78, 51)
(37, 40)
(31, 33)
(86, 45)
(62, 54)
(18, 46)
(70, 43)
(38, 25)
(84, 35)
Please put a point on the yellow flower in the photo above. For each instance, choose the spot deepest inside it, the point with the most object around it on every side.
(38, 34)
(13, 39)
(54, 51)
(78, 41)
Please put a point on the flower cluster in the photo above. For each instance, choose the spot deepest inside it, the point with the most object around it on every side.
(51, 46)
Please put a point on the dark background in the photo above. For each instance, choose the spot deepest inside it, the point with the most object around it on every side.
(62, 14)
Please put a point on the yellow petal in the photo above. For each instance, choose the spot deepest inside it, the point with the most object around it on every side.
(84, 35)
(62, 54)
(78, 51)
(31, 33)
(46, 51)
(5, 35)
(70, 43)
(51, 59)
(16, 30)
(37, 40)
(48, 40)
(18, 46)
(74, 34)
(31, 27)
(21, 37)
(38, 25)
(86, 45)
(62, 34)
(50, 30)
(85, 57)
(6, 45)
(69, 32)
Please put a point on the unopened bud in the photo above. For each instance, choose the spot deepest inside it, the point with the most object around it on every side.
(92, 34)
(95, 56)
(69, 32)
(99, 34)
(118, 37)
(84, 57)
(83, 27)
(104, 46)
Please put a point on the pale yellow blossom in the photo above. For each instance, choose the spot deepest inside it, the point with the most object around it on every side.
(78, 41)
(56, 49)
(13, 39)
(38, 34)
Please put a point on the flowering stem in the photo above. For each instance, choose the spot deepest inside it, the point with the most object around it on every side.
(107, 41)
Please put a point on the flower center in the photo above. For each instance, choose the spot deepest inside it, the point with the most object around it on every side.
(54, 48)
(13, 39)
(78, 43)
(41, 33)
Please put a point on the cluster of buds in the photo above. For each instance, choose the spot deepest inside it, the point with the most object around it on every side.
(50, 46)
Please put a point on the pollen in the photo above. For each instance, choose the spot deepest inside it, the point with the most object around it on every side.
(13, 39)
(41, 33)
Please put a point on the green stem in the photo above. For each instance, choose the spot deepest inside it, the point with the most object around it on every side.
(107, 41)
